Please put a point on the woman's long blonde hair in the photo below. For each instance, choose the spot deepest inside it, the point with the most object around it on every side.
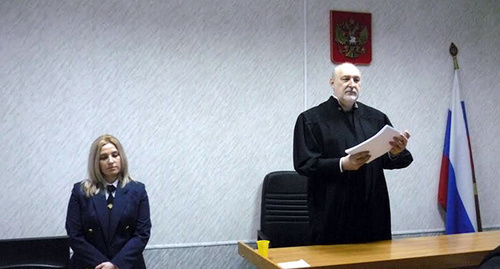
(96, 180)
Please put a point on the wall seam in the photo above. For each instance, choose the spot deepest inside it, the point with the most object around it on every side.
(305, 54)
(418, 233)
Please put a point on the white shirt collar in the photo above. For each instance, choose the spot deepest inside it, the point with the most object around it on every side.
(114, 184)
(106, 189)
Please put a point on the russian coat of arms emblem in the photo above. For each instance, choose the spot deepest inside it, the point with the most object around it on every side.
(350, 37)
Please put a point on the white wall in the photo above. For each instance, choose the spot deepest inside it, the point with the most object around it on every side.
(204, 97)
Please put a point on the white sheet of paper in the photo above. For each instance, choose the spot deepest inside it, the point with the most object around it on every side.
(377, 144)
(295, 264)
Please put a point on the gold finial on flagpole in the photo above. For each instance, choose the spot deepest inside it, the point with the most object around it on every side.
(454, 52)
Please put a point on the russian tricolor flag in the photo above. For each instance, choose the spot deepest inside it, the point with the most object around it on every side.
(456, 182)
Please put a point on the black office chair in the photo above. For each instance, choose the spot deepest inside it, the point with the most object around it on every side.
(35, 253)
(492, 260)
(284, 218)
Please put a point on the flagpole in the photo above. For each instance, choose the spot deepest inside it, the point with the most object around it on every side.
(454, 53)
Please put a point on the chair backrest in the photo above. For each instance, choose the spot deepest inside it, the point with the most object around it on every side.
(284, 216)
(492, 260)
(44, 252)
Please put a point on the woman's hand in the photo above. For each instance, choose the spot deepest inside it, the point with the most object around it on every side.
(106, 265)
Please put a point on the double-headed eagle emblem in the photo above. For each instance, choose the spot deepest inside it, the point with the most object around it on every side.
(351, 37)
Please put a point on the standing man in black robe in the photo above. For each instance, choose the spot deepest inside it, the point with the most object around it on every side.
(348, 198)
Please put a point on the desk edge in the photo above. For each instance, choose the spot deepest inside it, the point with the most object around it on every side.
(252, 256)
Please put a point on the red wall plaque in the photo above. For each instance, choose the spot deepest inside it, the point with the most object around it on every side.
(350, 37)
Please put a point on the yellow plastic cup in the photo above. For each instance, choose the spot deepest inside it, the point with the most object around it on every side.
(263, 247)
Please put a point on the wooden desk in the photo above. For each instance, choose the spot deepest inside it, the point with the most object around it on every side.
(444, 251)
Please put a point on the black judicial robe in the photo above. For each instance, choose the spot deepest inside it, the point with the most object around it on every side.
(352, 206)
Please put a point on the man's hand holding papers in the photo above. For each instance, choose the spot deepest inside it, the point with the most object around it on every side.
(386, 140)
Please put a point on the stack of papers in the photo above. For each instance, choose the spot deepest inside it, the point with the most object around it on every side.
(377, 144)
(295, 264)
